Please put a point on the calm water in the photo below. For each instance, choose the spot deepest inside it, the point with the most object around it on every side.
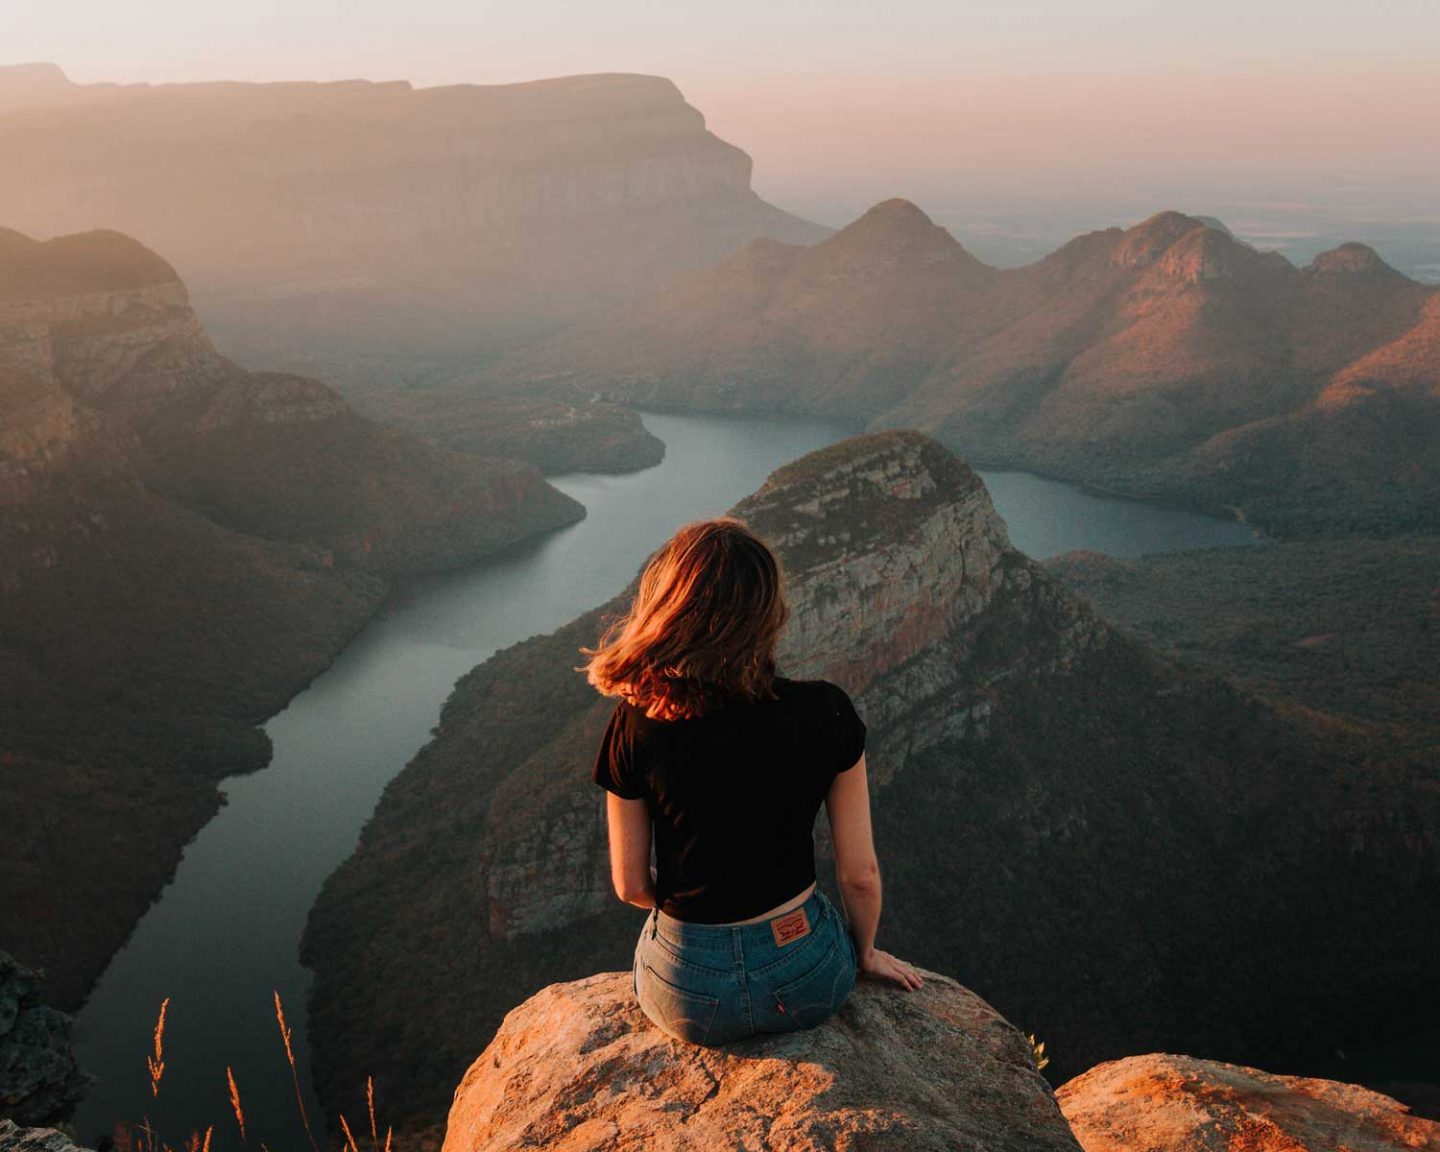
(224, 935)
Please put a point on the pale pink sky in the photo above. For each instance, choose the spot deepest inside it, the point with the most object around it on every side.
(841, 102)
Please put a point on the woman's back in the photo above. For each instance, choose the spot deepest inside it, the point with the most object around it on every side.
(733, 794)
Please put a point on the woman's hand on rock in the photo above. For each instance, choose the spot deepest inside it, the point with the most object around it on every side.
(882, 966)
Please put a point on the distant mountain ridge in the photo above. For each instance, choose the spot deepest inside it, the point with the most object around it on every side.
(1168, 360)
(183, 545)
(375, 227)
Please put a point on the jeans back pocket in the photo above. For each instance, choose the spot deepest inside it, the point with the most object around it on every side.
(816, 996)
(685, 1015)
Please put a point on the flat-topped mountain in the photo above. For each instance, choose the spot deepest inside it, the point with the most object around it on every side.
(183, 545)
(1121, 853)
(368, 225)
(1168, 360)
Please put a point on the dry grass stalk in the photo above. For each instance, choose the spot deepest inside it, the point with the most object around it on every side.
(235, 1100)
(210, 1131)
(294, 1075)
(156, 1063)
(370, 1104)
(349, 1138)
(389, 1132)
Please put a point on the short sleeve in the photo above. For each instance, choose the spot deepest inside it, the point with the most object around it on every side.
(615, 770)
(846, 730)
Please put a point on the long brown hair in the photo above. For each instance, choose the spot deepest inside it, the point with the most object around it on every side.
(702, 628)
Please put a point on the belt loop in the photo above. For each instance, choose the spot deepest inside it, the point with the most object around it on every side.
(654, 921)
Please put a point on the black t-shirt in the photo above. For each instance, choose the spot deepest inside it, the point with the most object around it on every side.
(733, 794)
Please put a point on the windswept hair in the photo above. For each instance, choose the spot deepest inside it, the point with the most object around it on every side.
(702, 628)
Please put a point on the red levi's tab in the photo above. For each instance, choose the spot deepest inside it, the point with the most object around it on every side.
(790, 927)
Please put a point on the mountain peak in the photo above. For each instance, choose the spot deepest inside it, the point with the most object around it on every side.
(896, 231)
(98, 261)
(1351, 257)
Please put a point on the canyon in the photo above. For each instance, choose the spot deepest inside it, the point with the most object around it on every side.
(368, 232)
(1168, 361)
(1120, 850)
(183, 545)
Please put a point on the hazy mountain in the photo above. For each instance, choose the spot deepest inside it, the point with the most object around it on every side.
(375, 228)
(1119, 852)
(1167, 360)
(183, 545)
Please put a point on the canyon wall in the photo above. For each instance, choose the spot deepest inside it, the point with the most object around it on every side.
(1122, 852)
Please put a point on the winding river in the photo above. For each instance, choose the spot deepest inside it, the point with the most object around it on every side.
(223, 936)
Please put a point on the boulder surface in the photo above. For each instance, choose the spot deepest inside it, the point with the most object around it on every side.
(13, 1138)
(578, 1067)
(39, 1079)
(1164, 1103)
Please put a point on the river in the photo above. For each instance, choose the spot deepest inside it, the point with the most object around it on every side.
(224, 934)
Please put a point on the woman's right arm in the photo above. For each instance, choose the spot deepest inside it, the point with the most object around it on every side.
(858, 872)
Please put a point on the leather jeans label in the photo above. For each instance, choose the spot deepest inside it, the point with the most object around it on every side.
(790, 927)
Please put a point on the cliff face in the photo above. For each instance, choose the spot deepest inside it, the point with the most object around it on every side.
(334, 225)
(577, 1067)
(183, 545)
(1169, 359)
(39, 1081)
(1120, 851)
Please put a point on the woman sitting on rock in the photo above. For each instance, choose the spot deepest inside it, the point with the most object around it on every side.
(724, 765)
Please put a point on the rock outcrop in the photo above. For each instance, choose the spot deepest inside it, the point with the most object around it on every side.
(1164, 1103)
(183, 545)
(14, 1138)
(1122, 852)
(579, 1068)
(1169, 359)
(39, 1079)
(380, 229)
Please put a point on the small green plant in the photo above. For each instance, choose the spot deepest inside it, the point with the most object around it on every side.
(1037, 1052)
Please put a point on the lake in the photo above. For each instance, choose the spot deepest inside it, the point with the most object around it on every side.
(224, 935)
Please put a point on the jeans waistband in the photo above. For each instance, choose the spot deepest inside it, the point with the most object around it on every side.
(722, 937)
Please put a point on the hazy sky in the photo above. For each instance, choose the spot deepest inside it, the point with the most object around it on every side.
(844, 101)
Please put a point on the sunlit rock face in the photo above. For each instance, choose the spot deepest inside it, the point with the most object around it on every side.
(1104, 841)
(1168, 359)
(1167, 1103)
(578, 1067)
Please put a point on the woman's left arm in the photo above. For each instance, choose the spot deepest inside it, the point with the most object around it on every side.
(629, 823)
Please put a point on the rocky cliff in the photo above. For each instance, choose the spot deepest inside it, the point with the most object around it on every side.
(183, 545)
(1169, 359)
(373, 227)
(1168, 1103)
(578, 1067)
(39, 1080)
(1121, 852)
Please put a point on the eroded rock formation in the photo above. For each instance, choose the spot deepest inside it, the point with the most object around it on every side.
(378, 229)
(1121, 852)
(183, 545)
(1164, 1103)
(39, 1079)
(1169, 359)
(579, 1068)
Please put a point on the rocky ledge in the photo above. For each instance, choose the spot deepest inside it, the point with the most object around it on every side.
(13, 1138)
(39, 1079)
(577, 1067)
(1164, 1103)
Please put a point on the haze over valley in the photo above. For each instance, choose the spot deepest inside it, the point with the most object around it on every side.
(1088, 391)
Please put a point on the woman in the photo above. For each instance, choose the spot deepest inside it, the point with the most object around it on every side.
(725, 764)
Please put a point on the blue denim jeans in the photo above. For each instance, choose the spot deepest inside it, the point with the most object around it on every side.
(710, 984)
